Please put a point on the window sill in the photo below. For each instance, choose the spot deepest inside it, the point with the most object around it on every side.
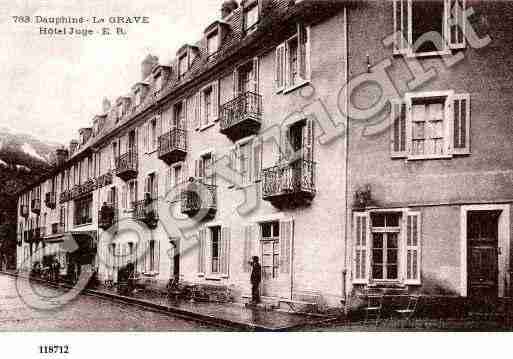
(295, 87)
(150, 274)
(422, 158)
(216, 278)
(410, 54)
(82, 225)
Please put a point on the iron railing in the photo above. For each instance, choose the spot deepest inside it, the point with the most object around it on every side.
(107, 216)
(51, 200)
(289, 178)
(198, 196)
(127, 162)
(248, 104)
(146, 211)
(65, 196)
(104, 180)
(57, 228)
(174, 140)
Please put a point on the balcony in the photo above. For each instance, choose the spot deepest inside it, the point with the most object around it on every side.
(290, 184)
(126, 166)
(173, 146)
(65, 196)
(57, 228)
(51, 200)
(104, 180)
(24, 210)
(146, 211)
(36, 206)
(242, 116)
(107, 216)
(199, 199)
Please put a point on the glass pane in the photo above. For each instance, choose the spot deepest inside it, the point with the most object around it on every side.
(427, 17)
(392, 241)
(377, 272)
(393, 219)
(392, 272)
(266, 230)
(392, 256)
(378, 220)
(377, 256)
(276, 229)
(377, 241)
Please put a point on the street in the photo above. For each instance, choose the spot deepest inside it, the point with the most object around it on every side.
(85, 313)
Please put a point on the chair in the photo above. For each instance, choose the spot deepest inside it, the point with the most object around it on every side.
(408, 313)
(373, 308)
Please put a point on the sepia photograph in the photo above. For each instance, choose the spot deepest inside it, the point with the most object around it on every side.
(255, 166)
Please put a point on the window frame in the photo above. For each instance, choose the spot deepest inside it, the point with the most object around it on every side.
(407, 49)
(247, 9)
(214, 33)
(275, 239)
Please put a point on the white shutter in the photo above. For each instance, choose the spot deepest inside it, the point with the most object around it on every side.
(280, 67)
(235, 83)
(201, 250)
(286, 245)
(197, 112)
(249, 232)
(413, 246)
(157, 256)
(398, 129)
(225, 251)
(455, 24)
(303, 51)
(401, 25)
(257, 159)
(461, 124)
(215, 100)
(256, 74)
(362, 239)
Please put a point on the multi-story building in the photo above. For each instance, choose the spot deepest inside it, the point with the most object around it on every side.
(239, 147)
(184, 175)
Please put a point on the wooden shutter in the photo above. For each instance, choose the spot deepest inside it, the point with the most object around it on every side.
(361, 248)
(157, 256)
(401, 25)
(155, 189)
(257, 159)
(202, 238)
(455, 24)
(461, 123)
(280, 67)
(197, 112)
(215, 100)
(249, 231)
(303, 47)
(225, 251)
(286, 245)
(256, 74)
(413, 245)
(235, 82)
(398, 132)
(124, 196)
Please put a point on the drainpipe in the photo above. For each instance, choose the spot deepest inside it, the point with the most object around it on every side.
(346, 144)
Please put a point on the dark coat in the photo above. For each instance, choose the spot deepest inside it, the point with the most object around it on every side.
(256, 273)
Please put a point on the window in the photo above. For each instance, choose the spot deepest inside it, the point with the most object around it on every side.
(215, 233)
(270, 249)
(158, 84)
(174, 178)
(251, 17)
(246, 78)
(207, 106)
(205, 169)
(152, 256)
(212, 43)
(138, 97)
(151, 186)
(153, 134)
(183, 66)
(416, 18)
(431, 125)
(120, 111)
(83, 211)
(292, 60)
(178, 116)
(129, 194)
(245, 162)
(387, 247)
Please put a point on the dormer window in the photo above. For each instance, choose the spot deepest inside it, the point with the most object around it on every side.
(158, 82)
(120, 111)
(183, 65)
(251, 16)
(138, 97)
(213, 42)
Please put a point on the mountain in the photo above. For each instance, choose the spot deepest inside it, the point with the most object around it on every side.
(23, 158)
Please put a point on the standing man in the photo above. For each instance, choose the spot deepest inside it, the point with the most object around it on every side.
(256, 278)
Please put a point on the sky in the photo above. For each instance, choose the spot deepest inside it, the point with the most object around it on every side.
(52, 86)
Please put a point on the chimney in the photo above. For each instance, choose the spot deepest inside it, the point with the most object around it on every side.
(106, 106)
(147, 65)
(73, 145)
(61, 155)
(228, 7)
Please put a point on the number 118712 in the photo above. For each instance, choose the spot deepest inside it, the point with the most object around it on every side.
(53, 349)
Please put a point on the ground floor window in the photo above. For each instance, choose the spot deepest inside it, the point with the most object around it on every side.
(215, 248)
(385, 246)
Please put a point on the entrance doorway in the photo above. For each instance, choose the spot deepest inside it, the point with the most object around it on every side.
(483, 253)
(175, 266)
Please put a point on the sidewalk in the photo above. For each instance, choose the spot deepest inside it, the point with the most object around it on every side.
(234, 316)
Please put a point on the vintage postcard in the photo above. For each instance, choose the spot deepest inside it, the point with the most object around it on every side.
(256, 165)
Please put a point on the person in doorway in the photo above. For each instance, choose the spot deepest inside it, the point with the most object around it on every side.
(256, 278)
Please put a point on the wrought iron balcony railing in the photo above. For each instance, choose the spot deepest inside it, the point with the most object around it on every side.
(199, 197)
(36, 206)
(65, 196)
(147, 211)
(289, 184)
(127, 166)
(105, 180)
(107, 216)
(241, 116)
(51, 200)
(24, 210)
(173, 146)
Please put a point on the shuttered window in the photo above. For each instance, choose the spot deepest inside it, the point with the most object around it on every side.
(413, 19)
(248, 236)
(286, 243)
(430, 125)
(202, 238)
(225, 251)
(280, 67)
